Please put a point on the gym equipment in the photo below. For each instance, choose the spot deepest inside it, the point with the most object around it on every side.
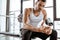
(48, 22)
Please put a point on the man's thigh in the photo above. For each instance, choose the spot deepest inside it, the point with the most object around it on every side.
(40, 35)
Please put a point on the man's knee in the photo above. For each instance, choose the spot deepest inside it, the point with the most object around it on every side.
(53, 36)
(54, 32)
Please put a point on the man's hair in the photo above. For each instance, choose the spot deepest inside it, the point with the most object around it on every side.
(42, 0)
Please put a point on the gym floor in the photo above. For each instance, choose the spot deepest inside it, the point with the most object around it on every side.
(4, 37)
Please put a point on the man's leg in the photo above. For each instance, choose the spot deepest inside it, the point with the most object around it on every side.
(43, 36)
(26, 35)
(53, 36)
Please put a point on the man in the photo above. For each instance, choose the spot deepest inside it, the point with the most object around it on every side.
(31, 19)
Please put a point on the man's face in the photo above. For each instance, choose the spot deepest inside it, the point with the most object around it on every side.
(40, 4)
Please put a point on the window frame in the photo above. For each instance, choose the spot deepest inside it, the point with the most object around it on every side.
(55, 17)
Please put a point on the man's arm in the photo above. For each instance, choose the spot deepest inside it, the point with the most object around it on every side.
(48, 28)
(45, 16)
(26, 21)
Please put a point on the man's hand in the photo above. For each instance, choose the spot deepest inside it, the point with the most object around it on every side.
(42, 29)
(47, 30)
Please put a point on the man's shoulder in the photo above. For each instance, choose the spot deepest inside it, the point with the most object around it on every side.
(28, 9)
(44, 11)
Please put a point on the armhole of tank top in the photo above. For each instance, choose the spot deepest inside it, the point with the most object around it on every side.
(42, 12)
(31, 10)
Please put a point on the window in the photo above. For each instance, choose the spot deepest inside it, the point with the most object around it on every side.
(2, 15)
(57, 16)
(56, 10)
(14, 11)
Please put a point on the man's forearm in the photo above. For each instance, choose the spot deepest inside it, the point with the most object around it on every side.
(29, 27)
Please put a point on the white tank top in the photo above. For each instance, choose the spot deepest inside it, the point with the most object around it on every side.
(35, 20)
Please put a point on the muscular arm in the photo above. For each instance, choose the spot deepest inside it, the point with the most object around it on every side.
(45, 16)
(48, 29)
(26, 21)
